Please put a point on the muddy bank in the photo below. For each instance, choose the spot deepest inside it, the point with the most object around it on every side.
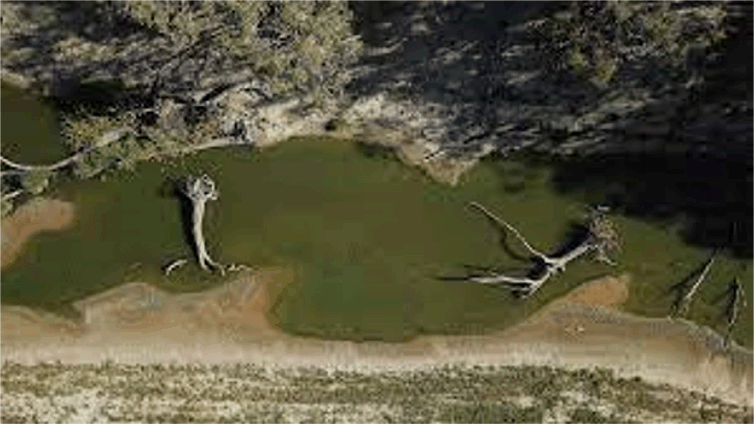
(137, 323)
(37, 215)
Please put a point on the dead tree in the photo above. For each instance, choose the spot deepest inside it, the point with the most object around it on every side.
(735, 302)
(686, 301)
(601, 237)
(199, 191)
(106, 139)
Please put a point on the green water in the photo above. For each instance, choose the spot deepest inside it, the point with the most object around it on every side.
(29, 128)
(366, 236)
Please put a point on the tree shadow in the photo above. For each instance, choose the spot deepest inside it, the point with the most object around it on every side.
(503, 241)
(575, 234)
(171, 188)
(375, 150)
(664, 158)
(93, 30)
(728, 295)
(681, 288)
(472, 271)
(102, 98)
(708, 199)
(447, 54)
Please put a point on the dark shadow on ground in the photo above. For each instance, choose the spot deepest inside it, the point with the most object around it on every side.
(681, 288)
(710, 199)
(171, 188)
(376, 150)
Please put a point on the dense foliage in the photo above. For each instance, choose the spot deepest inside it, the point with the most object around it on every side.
(285, 48)
(296, 46)
(598, 38)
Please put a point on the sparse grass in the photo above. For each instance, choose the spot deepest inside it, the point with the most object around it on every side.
(479, 412)
(251, 393)
(584, 415)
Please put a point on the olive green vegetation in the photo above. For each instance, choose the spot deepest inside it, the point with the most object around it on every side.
(35, 182)
(453, 394)
(582, 415)
(296, 46)
(368, 238)
(480, 412)
(597, 39)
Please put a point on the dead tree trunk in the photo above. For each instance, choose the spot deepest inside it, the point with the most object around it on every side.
(107, 138)
(199, 191)
(600, 238)
(686, 301)
(735, 301)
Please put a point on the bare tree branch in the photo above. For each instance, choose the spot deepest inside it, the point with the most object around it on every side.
(733, 308)
(511, 229)
(551, 265)
(686, 302)
(106, 139)
(173, 265)
(12, 194)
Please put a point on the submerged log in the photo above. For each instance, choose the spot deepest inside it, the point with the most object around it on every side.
(199, 191)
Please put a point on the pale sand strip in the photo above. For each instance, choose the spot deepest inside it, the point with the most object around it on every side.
(137, 323)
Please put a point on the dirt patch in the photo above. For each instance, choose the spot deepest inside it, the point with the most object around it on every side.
(235, 311)
(37, 215)
(138, 323)
(608, 291)
(22, 324)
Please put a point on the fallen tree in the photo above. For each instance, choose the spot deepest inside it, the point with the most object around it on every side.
(600, 238)
(686, 301)
(199, 191)
(736, 301)
(107, 138)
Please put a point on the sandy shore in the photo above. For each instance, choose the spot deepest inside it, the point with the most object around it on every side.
(37, 215)
(137, 323)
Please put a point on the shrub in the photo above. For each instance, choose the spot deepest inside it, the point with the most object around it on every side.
(35, 182)
(295, 46)
(596, 38)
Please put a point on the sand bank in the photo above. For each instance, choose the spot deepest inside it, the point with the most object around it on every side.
(137, 323)
(37, 215)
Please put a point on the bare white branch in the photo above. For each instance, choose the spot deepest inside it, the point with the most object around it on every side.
(687, 298)
(173, 265)
(199, 191)
(551, 264)
(518, 235)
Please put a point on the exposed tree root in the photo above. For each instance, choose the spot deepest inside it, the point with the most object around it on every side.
(173, 265)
